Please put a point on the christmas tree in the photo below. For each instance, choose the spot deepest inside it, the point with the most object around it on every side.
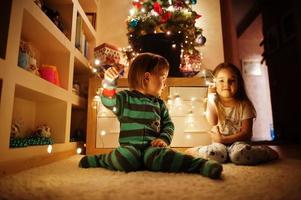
(172, 17)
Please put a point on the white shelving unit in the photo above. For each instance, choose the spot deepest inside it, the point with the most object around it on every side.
(35, 100)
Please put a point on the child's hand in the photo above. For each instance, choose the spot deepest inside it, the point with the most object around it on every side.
(211, 93)
(158, 143)
(211, 88)
(216, 136)
(113, 72)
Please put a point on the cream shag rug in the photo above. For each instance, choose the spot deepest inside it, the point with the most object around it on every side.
(64, 180)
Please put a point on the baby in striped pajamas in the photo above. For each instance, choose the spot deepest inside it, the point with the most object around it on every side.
(146, 129)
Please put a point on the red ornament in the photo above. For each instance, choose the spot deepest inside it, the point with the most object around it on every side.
(137, 5)
(198, 16)
(165, 17)
(158, 8)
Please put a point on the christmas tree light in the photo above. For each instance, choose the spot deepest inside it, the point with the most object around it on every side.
(165, 16)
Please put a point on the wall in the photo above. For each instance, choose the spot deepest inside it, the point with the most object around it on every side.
(257, 86)
(111, 27)
(211, 24)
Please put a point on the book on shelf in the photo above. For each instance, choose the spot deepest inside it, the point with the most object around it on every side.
(86, 52)
(82, 42)
(79, 23)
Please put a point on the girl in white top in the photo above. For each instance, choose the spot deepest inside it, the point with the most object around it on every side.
(231, 114)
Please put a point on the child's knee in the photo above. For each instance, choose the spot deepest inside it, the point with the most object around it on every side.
(127, 159)
(154, 156)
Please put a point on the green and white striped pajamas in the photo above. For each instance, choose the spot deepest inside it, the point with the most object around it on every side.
(142, 119)
(129, 158)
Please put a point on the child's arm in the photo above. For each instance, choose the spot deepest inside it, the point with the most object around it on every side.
(245, 134)
(211, 112)
(110, 98)
(167, 127)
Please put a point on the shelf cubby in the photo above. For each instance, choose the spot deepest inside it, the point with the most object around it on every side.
(81, 74)
(49, 50)
(42, 21)
(88, 26)
(85, 32)
(78, 124)
(38, 84)
(65, 9)
(33, 108)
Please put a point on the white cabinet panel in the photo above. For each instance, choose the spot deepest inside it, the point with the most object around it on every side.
(186, 109)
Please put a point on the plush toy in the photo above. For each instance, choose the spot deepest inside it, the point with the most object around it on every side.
(15, 135)
(41, 136)
(43, 131)
(214, 152)
(16, 128)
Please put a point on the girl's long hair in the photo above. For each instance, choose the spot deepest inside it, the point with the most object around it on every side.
(241, 94)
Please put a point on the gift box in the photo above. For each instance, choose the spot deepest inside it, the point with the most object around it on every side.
(191, 65)
(109, 55)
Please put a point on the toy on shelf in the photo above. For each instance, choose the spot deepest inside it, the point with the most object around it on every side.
(28, 57)
(50, 73)
(41, 136)
(43, 131)
(16, 128)
(15, 135)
